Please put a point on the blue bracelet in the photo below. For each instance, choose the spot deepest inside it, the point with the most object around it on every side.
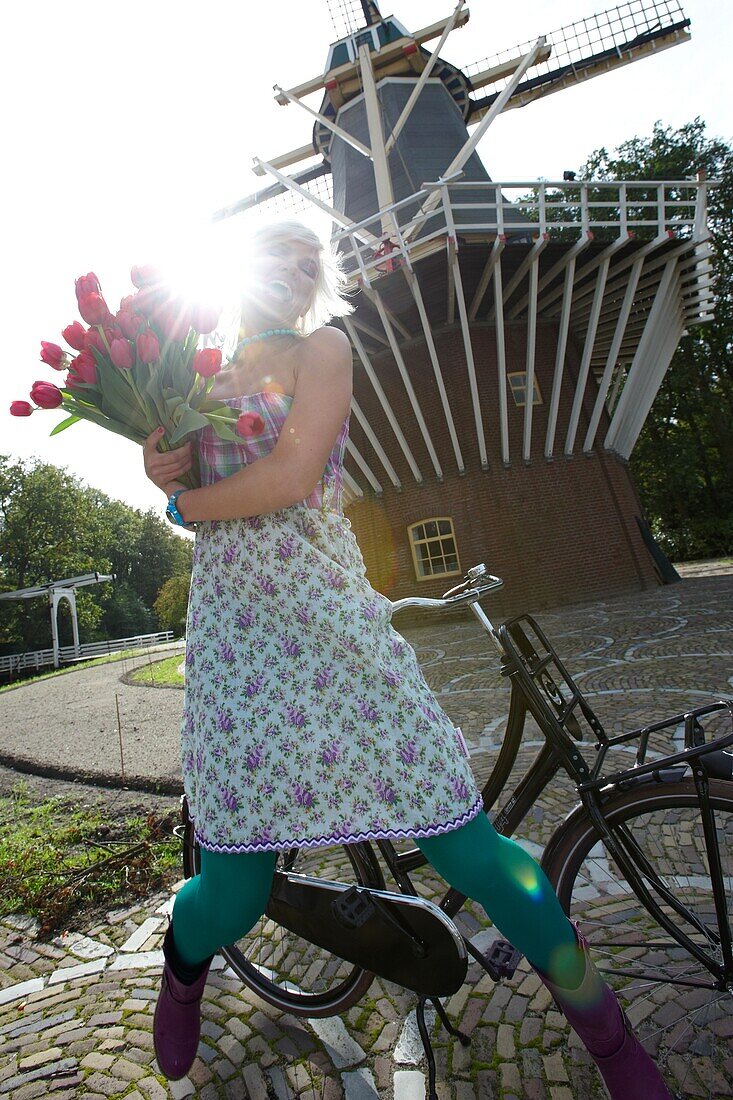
(174, 515)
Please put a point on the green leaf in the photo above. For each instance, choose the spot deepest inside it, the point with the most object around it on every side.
(224, 431)
(64, 424)
(119, 428)
(188, 421)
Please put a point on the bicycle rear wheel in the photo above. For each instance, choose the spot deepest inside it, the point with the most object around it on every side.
(681, 1016)
(283, 969)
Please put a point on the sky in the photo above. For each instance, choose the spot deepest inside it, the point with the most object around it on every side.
(125, 126)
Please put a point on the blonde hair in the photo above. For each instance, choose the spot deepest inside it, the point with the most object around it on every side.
(329, 292)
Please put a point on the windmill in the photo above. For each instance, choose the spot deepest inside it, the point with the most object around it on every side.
(509, 337)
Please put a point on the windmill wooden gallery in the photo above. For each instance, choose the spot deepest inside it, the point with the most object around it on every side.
(509, 336)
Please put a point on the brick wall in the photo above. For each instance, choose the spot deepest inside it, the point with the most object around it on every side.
(557, 531)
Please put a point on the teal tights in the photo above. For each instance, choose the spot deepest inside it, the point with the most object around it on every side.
(229, 896)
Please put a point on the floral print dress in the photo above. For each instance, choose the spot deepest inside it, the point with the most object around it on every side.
(306, 720)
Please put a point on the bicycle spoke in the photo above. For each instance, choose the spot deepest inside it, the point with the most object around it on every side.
(673, 998)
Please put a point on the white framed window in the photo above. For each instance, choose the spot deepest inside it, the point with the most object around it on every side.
(434, 549)
(518, 386)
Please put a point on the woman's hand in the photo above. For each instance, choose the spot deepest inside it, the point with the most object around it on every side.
(166, 468)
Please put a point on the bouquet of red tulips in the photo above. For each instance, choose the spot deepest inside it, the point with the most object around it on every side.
(138, 369)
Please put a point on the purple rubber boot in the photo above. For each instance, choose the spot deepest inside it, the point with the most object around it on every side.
(177, 1022)
(595, 1015)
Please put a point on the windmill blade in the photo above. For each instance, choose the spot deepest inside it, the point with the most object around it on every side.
(309, 176)
(583, 50)
(349, 16)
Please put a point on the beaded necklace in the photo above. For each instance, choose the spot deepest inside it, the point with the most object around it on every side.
(261, 336)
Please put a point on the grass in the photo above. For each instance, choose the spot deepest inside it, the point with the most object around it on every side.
(161, 673)
(125, 655)
(60, 862)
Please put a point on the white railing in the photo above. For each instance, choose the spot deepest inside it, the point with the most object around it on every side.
(567, 209)
(41, 658)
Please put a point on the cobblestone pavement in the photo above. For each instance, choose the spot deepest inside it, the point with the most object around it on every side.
(76, 1012)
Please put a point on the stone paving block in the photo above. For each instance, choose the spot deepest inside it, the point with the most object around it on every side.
(31, 1091)
(505, 1045)
(359, 1084)
(554, 1067)
(142, 933)
(279, 1083)
(255, 1081)
(223, 1068)
(82, 970)
(39, 1058)
(100, 1082)
(199, 1073)
(233, 1049)
(180, 1089)
(409, 1084)
(83, 946)
(95, 1060)
(409, 1049)
(342, 1049)
(128, 1070)
(20, 990)
(235, 1089)
(141, 960)
(152, 1088)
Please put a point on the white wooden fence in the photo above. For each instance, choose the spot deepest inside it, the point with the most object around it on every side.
(19, 662)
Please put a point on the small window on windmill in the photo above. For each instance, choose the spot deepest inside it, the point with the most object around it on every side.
(434, 550)
(518, 385)
(365, 38)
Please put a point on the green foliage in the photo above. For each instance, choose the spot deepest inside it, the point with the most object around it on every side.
(171, 604)
(52, 526)
(59, 860)
(683, 461)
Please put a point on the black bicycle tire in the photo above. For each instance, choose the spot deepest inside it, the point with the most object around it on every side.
(569, 858)
(572, 840)
(331, 1003)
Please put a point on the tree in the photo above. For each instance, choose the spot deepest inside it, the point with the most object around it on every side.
(172, 603)
(52, 526)
(683, 461)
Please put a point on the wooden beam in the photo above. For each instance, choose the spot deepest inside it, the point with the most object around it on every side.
(382, 398)
(407, 382)
(414, 286)
(494, 255)
(562, 343)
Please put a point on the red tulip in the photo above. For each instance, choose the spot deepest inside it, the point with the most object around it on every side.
(207, 362)
(146, 275)
(93, 339)
(46, 395)
(148, 348)
(74, 335)
(150, 298)
(53, 355)
(20, 408)
(122, 354)
(94, 309)
(83, 368)
(130, 323)
(204, 318)
(172, 319)
(87, 284)
(249, 425)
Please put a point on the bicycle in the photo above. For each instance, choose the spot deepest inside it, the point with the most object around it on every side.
(644, 862)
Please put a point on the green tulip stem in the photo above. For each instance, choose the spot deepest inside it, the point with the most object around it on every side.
(194, 387)
(103, 334)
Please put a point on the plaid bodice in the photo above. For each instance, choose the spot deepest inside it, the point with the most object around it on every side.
(219, 457)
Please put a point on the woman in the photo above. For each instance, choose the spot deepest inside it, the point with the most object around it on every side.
(306, 718)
